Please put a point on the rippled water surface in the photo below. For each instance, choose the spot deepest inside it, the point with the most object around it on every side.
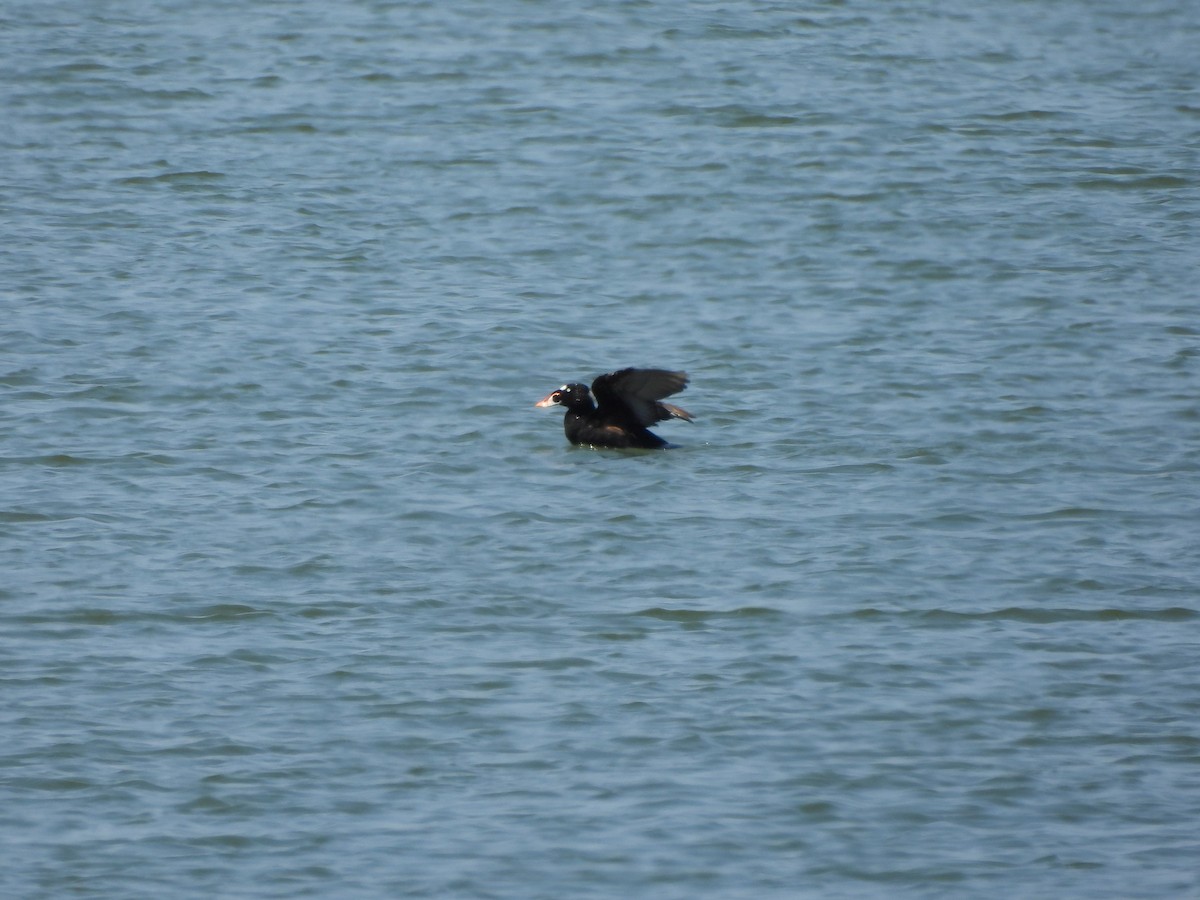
(303, 598)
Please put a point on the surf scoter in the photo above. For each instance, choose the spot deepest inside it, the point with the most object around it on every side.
(615, 413)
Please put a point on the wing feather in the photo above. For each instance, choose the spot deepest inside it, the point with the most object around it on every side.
(635, 393)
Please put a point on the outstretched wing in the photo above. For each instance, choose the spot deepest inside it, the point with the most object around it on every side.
(636, 393)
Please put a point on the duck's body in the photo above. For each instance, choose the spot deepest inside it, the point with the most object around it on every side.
(618, 409)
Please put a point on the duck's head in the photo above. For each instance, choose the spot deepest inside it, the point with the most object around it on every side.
(572, 396)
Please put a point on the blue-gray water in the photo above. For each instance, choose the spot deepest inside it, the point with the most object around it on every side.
(302, 598)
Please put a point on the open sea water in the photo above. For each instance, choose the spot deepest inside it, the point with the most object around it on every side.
(301, 597)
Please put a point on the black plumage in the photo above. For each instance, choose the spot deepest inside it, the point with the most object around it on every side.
(618, 410)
